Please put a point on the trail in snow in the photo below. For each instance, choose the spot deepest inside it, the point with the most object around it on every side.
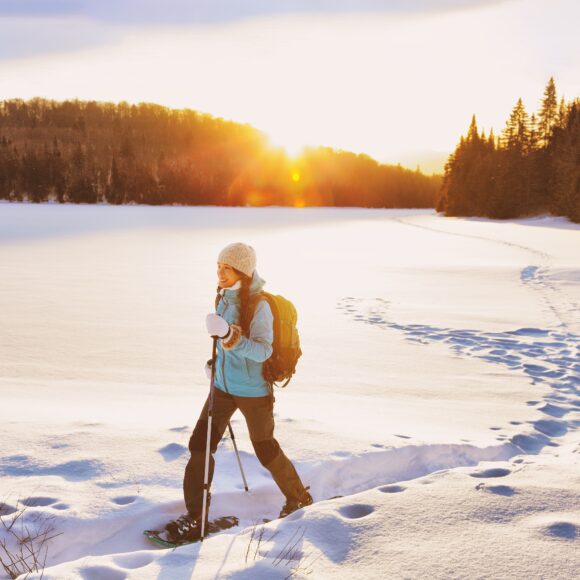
(545, 356)
(535, 277)
(335, 477)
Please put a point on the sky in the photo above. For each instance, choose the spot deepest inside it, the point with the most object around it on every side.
(397, 80)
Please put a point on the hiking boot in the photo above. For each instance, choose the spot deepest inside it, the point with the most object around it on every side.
(183, 530)
(293, 505)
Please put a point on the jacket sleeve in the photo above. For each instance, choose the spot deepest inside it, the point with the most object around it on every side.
(258, 346)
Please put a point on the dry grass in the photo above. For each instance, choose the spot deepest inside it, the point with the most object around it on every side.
(24, 540)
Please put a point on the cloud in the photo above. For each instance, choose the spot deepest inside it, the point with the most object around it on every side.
(178, 12)
(27, 37)
(39, 27)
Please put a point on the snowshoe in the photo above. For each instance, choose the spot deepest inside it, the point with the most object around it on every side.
(293, 505)
(186, 530)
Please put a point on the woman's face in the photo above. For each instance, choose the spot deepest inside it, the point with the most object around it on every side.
(227, 276)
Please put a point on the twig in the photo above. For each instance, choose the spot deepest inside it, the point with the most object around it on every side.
(250, 542)
(285, 550)
(25, 550)
(260, 536)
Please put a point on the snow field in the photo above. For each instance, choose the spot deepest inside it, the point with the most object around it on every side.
(437, 394)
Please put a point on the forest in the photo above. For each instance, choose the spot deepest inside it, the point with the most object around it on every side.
(532, 168)
(118, 153)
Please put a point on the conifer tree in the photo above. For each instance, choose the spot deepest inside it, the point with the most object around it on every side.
(566, 154)
(548, 113)
(534, 139)
(516, 135)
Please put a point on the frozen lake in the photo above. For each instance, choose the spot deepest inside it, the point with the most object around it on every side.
(430, 344)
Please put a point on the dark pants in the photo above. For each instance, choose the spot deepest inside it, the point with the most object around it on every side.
(259, 415)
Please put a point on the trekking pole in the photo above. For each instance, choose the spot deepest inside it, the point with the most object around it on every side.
(208, 442)
(238, 457)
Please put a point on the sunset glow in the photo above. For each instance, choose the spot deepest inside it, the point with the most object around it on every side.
(399, 86)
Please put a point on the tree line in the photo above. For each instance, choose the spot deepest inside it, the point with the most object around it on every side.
(94, 152)
(532, 168)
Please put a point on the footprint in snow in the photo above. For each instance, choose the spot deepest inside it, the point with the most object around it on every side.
(550, 427)
(529, 332)
(102, 573)
(492, 472)
(76, 470)
(38, 501)
(505, 490)
(124, 499)
(172, 451)
(392, 488)
(133, 561)
(356, 511)
(546, 357)
(562, 531)
(7, 510)
(60, 506)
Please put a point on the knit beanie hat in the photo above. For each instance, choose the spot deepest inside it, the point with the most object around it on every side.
(239, 256)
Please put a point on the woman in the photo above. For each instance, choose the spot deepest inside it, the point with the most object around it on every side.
(241, 353)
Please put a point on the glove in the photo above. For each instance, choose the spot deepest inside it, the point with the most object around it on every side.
(233, 337)
(216, 325)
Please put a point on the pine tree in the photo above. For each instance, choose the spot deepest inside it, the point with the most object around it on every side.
(516, 135)
(534, 139)
(562, 116)
(548, 113)
(565, 150)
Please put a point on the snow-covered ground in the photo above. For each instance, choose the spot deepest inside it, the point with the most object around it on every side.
(438, 393)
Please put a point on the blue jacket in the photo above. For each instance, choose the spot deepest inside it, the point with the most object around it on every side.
(240, 368)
